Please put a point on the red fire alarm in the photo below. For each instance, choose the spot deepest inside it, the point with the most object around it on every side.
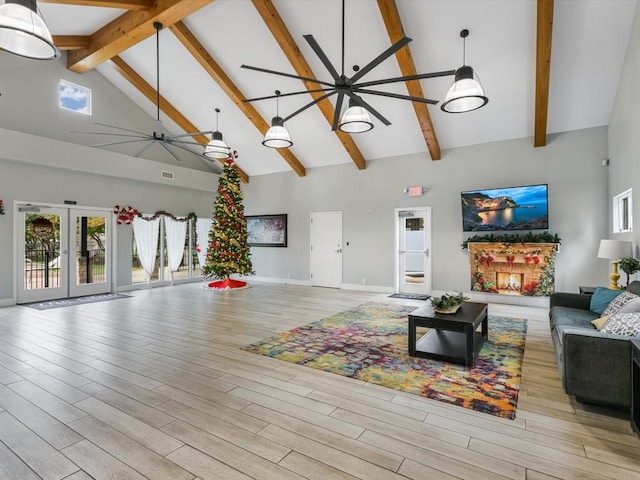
(415, 191)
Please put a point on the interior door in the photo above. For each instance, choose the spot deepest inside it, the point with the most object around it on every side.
(413, 248)
(326, 249)
(43, 247)
(90, 258)
(62, 252)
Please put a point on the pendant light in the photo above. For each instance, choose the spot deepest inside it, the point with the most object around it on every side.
(23, 32)
(216, 148)
(466, 93)
(355, 119)
(277, 136)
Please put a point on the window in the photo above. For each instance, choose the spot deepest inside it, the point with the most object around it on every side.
(623, 212)
(74, 97)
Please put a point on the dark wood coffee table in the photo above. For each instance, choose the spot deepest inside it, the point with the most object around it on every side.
(452, 337)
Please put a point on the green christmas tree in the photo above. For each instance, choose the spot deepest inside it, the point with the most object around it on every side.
(228, 251)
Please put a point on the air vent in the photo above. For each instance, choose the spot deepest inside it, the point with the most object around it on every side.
(166, 175)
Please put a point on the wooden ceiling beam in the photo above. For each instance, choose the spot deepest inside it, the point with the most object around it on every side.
(281, 33)
(71, 42)
(216, 72)
(392, 22)
(169, 110)
(129, 29)
(543, 70)
(124, 4)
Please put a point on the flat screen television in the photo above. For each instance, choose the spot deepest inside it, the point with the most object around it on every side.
(512, 208)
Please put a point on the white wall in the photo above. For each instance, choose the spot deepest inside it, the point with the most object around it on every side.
(571, 164)
(624, 137)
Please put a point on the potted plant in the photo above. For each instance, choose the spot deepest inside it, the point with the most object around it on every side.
(629, 265)
(448, 303)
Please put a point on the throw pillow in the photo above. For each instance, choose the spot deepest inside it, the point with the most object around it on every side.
(599, 322)
(623, 324)
(618, 302)
(632, 307)
(601, 299)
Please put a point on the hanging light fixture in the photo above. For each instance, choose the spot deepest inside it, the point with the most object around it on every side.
(23, 32)
(466, 93)
(277, 136)
(355, 119)
(216, 148)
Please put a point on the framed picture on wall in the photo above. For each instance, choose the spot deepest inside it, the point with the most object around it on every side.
(267, 230)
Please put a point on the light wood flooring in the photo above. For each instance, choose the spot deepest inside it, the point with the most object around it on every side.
(155, 387)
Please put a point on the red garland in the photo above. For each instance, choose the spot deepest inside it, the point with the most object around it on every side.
(125, 214)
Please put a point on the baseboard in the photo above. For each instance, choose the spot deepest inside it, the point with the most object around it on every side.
(6, 302)
(367, 288)
(284, 281)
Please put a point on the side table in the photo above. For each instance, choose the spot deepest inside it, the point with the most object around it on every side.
(587, 290)
(635, 385)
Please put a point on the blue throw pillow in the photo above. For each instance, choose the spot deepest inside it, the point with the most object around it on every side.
(601, 299)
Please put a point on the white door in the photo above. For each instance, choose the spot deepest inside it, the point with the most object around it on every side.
(413, 250)
(326, 249)
(62, 252)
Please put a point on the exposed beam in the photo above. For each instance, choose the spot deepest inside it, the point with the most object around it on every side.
(129, 29)
(124, 4)
(169, 110)
(71, 42)
(392, 22)
(280, 32)
(543, 70)
(216, 72)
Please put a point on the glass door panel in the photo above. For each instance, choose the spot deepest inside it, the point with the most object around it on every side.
(413, 260)
(90, 263)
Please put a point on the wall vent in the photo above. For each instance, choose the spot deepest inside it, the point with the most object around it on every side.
(166, 175)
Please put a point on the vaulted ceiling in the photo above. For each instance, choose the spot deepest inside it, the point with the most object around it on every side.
(547, 66)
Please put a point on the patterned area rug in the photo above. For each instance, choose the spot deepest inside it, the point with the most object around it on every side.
(369, 343)
(68, 302)
(410, 296)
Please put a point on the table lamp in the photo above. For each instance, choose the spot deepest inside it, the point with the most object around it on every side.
(614, 250)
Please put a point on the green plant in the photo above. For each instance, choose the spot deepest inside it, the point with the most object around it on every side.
(629, 265)
(448, 301)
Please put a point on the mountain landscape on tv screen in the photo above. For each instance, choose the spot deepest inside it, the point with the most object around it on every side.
(515, 208)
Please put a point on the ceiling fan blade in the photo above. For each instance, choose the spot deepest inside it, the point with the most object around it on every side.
(407, 78)
(336, 115)
(282, 74)
(310, 104)
(119, 128)
(120, 143)
(398, 95)
(379, 59)
(360, 101)
(142, 150)
(171, 152)
(192, 134)
(111, 134)
(315, 46)
(288, 94)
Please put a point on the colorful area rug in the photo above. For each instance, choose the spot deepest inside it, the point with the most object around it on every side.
(369, 343)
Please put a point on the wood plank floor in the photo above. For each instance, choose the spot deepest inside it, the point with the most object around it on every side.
(155, 387)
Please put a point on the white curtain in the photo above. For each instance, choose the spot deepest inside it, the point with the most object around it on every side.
(146, 234)
(203, 226)
(175, 233)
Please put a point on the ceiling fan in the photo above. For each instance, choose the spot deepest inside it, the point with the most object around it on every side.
(159, 137)
(352, 87)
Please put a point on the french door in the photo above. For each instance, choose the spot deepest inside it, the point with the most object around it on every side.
(62, 252)
(413, 247)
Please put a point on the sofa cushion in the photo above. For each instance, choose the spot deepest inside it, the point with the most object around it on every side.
(619, 302)
(632, 307)
(599, 322)
(572, 317)
(601, 299)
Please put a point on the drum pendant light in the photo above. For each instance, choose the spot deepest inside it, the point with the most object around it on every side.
(24, 33)
(277, 136)
(217, 148)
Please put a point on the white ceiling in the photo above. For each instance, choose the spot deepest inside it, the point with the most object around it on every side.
(590, 40)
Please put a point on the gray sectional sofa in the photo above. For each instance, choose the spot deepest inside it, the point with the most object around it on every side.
(594, 366)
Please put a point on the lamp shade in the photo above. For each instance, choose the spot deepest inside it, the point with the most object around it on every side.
(277, 136)
(466, 93)
(216, 148)
(23, 32)
(614, 249)
(355, 119)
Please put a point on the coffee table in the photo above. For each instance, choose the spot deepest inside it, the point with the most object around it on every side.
(452, 337)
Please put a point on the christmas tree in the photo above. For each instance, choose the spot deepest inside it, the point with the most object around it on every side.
(228, 250)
